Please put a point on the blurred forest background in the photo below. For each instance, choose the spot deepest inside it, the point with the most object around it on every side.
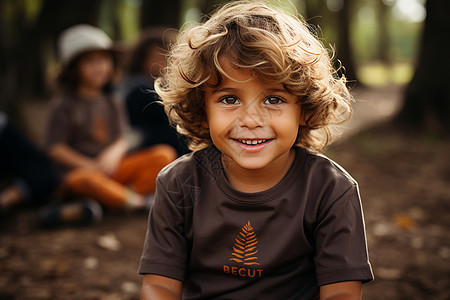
(379, 42)
(395, 54)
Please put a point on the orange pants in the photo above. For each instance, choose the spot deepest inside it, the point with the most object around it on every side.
(136, 171)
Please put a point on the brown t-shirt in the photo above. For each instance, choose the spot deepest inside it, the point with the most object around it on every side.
(86, 125)
(282, 243)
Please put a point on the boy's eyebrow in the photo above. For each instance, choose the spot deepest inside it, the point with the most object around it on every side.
(224, 90)
(275, 90)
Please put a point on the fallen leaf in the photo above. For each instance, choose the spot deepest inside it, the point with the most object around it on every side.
(404, 221)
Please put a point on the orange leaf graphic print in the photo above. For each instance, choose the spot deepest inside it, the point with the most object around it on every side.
(245, 246)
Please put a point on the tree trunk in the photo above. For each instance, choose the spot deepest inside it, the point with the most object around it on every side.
(344, 48)
(5, 72)
(52, 19)
(317, 15)
(314, 12)
(209, 6)
(427, 97)
(25, 46)
(160, 13)
(11, 28)
(35, 39)
(383, 32)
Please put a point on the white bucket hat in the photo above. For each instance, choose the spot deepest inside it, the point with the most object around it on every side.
(81, 38)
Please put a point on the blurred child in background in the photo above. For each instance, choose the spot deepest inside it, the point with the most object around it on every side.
(86, 130)
(146, 116)
(34, 177)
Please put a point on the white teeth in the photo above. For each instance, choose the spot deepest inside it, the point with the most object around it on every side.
(252, 142)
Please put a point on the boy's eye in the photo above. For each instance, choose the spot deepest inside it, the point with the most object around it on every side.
(229, 100)
(273, 100)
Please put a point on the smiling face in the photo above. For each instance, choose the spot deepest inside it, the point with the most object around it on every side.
(253, 124)
(95, 69)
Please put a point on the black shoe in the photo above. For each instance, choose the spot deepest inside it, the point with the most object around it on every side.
(85, 212)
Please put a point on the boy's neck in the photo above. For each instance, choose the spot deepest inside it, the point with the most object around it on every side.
(89, 92)
(253, 181)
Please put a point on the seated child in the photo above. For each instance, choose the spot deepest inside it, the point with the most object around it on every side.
(86, 132)
(255, 212)
(33, 175)
(146, 117)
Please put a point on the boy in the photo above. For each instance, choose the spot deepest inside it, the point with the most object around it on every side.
(254, 212)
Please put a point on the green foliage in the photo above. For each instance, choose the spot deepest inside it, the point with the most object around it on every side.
(130, 26)
(403, 39)
(21, 20)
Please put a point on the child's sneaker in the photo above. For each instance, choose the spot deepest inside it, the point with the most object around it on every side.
(85, 212)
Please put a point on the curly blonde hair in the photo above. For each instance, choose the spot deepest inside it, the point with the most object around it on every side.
(275, 47)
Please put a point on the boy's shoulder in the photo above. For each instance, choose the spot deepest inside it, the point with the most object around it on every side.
(326, 170)
(325, 165)
(326, 181)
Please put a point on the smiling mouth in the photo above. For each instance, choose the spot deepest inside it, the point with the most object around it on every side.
(253, 142)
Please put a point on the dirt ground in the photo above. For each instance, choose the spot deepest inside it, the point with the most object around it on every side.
(404, 180)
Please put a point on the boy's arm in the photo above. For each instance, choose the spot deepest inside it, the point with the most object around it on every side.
(109, 159)
(157, 287)
(347, 290)
(66, 156)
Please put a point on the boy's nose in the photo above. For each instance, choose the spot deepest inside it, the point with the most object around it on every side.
(252, 116)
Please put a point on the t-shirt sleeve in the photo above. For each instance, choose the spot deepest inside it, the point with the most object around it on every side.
(341, 247)
(166, 247)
